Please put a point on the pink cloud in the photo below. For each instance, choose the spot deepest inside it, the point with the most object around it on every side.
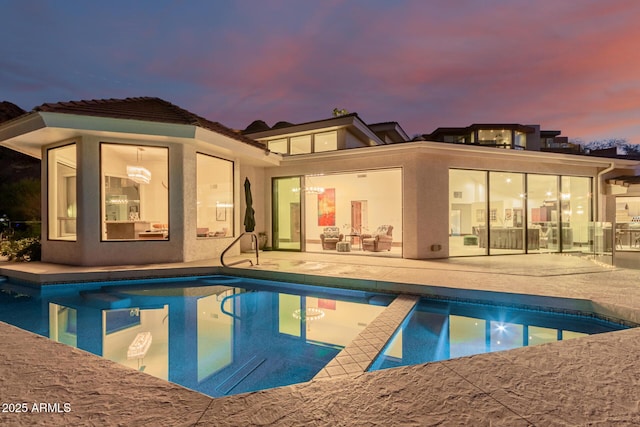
(565, 65)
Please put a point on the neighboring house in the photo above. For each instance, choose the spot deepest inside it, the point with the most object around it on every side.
(141, 180)
(499, 135)
(337, 133)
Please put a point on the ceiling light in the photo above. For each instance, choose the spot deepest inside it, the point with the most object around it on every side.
(138, 173)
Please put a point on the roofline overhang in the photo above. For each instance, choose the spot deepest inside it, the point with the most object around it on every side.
(28, 134)
(437, 148)
(391, 127)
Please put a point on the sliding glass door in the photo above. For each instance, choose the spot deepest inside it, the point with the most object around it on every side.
(287, 214)
(506, 208)
(493, 212)
(468, 212)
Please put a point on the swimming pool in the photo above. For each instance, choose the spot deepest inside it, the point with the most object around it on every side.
(218, 335)
(224, 335)
(440, 330)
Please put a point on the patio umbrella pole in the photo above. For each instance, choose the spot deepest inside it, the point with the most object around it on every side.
(249, 226)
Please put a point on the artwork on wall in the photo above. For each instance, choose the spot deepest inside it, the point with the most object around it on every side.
(327, 207)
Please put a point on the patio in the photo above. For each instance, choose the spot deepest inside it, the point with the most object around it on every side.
(585, 381)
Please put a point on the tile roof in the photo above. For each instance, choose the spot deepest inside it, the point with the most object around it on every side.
(145, 109)
(255, 126)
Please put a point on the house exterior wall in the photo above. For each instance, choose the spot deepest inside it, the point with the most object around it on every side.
(201, 248)
(89, 249)
(425, 182)
(183, 244)
(351, 141)
(425, 191)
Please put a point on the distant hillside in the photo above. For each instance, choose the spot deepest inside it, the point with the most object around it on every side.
(15, 166)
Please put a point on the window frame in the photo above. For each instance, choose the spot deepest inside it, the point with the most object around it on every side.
(228, 216)
(103, 214)
(50, 150)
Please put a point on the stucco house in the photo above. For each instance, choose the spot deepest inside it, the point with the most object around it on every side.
(140, 180)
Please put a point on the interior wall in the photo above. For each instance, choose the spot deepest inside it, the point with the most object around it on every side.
(381, 189)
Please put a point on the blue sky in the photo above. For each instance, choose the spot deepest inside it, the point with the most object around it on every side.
(567, 65)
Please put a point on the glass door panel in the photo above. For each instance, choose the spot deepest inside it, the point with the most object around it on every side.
(287, 214)
(506, 207)
(467, 212)
(576, 214)
(543, 214)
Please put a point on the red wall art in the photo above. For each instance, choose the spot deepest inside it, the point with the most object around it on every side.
(327, 207)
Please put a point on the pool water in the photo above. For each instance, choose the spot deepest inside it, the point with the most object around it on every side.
(440, 330)
(218, 335)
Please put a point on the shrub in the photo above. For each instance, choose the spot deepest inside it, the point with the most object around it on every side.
(21, 250)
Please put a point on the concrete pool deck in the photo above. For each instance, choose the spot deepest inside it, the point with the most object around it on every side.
(587, 381)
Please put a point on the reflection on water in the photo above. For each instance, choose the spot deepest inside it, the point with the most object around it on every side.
(438, 330)
(219, 339)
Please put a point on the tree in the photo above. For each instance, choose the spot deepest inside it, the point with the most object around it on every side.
(20, 200)
(337, 112)
(621, 145)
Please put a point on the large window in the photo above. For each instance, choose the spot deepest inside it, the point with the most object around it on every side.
(135, 192)
(365, 207)
(499, 138)
(522, 213)
(63, 206)
(215, 196)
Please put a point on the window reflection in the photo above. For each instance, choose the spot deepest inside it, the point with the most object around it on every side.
(324, 321)
(63, 324)
(437, 330)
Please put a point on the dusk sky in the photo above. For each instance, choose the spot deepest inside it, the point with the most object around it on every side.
(569, 65)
